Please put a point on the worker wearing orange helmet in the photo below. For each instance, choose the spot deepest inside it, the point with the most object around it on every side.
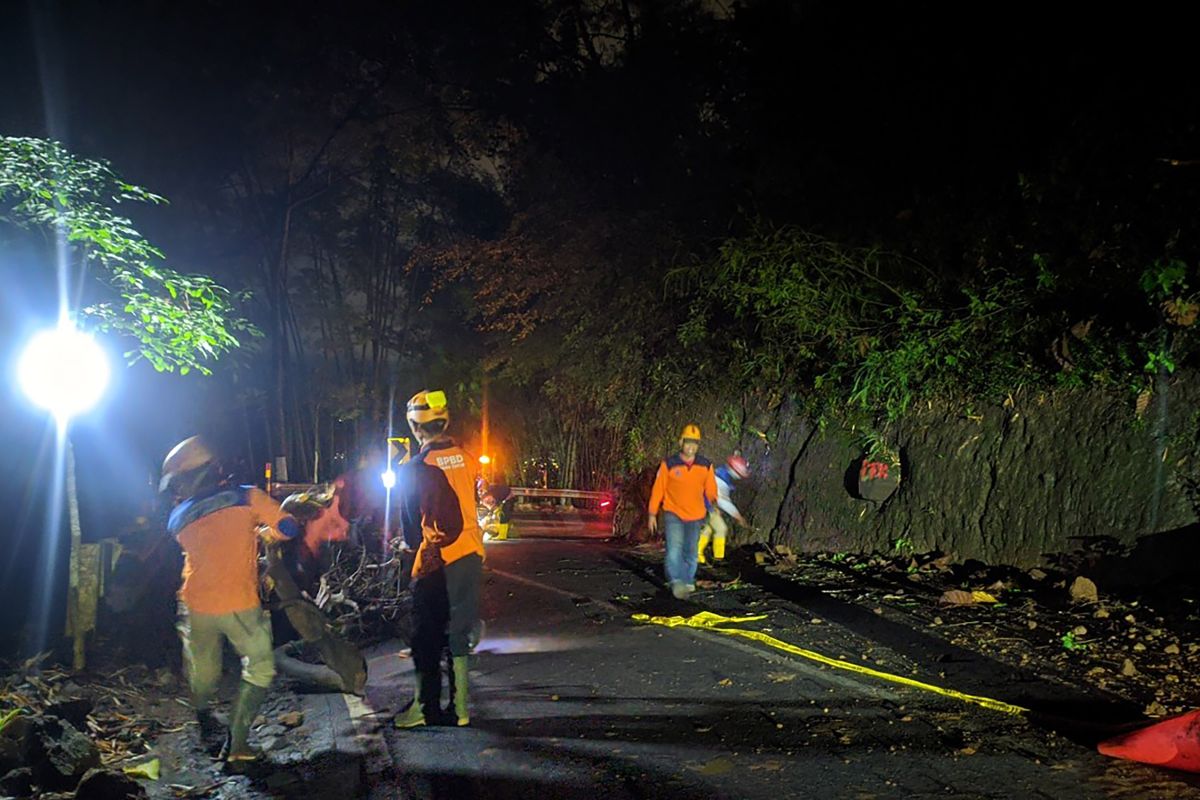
(437, 504)
(218, 525)
(684, 489)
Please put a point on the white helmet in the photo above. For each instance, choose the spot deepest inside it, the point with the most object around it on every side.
(192, 453)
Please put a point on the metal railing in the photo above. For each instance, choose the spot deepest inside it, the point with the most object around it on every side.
(282, 490)
(559, 494)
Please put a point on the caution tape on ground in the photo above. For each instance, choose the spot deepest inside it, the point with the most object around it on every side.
(707, 620)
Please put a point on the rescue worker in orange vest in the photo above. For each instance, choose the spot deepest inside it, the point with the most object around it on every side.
(437, 501)
(684, 489)
(218, 525)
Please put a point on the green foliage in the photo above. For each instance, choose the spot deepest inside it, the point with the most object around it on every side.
(861, 335)
(1069, 642)
(865, 335)
(730, 422)
(1165, 279)
(1047, 280)
(1159, 360)
(178, 321)
(876, 447)
(863, 328)
(7, 717)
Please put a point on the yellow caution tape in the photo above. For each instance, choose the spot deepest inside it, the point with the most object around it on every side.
(706, 620)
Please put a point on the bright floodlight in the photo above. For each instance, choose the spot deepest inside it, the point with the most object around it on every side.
(389, 479)
(484, 459)
(63, 371)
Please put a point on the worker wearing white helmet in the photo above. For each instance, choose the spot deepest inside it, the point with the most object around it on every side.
(218, 525)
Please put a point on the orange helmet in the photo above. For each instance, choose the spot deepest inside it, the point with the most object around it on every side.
(427, 406)
(690, 432)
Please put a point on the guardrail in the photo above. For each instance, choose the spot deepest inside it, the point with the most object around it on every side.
(559, 494)
(604, 500)
(282, 490)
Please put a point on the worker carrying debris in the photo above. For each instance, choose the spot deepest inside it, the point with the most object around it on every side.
(715, 528)
(294, 571)
(218, 525)
(684, 488)
(437, 503)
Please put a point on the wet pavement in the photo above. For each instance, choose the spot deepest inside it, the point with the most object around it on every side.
(572, 698)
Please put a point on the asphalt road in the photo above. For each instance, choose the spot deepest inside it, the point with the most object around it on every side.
(572, 699)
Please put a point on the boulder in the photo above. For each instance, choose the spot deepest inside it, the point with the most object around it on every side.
(13, 738)
(58, 753)
(73, 711)
(1083, 590)
(17, 783)
(103, 784)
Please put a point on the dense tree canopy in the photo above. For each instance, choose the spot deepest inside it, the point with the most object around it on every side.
(613, 213)
(178, 321)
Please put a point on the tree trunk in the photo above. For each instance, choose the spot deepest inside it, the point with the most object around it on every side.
(280, 335)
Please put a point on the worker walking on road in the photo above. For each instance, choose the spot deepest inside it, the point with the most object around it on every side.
(684, 488)
(715, 528)
(437, 502)
(218, 525)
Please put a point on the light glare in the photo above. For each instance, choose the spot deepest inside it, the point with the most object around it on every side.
(63, 371)
(389, 479)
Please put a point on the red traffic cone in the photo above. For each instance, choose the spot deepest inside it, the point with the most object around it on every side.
(1172, 743)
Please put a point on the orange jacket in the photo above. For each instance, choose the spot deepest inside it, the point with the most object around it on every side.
(219, 534)
(439, 496)
(686, 490)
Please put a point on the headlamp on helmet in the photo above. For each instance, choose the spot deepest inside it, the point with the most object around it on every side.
(427, 406)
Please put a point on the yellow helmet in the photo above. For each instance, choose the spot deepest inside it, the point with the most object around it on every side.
(426, 406)
(186, 456)
(690, 432)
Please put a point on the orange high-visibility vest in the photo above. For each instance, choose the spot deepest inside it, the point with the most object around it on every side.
(683, 488)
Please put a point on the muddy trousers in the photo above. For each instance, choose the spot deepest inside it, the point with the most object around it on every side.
(203, 635)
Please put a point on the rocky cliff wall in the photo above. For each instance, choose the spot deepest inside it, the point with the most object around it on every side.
(1008, 484)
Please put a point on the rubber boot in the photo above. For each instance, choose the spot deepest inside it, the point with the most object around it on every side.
(704, 536)
(245, 709)
(460, 690)
(413, 716)
(719, 548)
(212, 732)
